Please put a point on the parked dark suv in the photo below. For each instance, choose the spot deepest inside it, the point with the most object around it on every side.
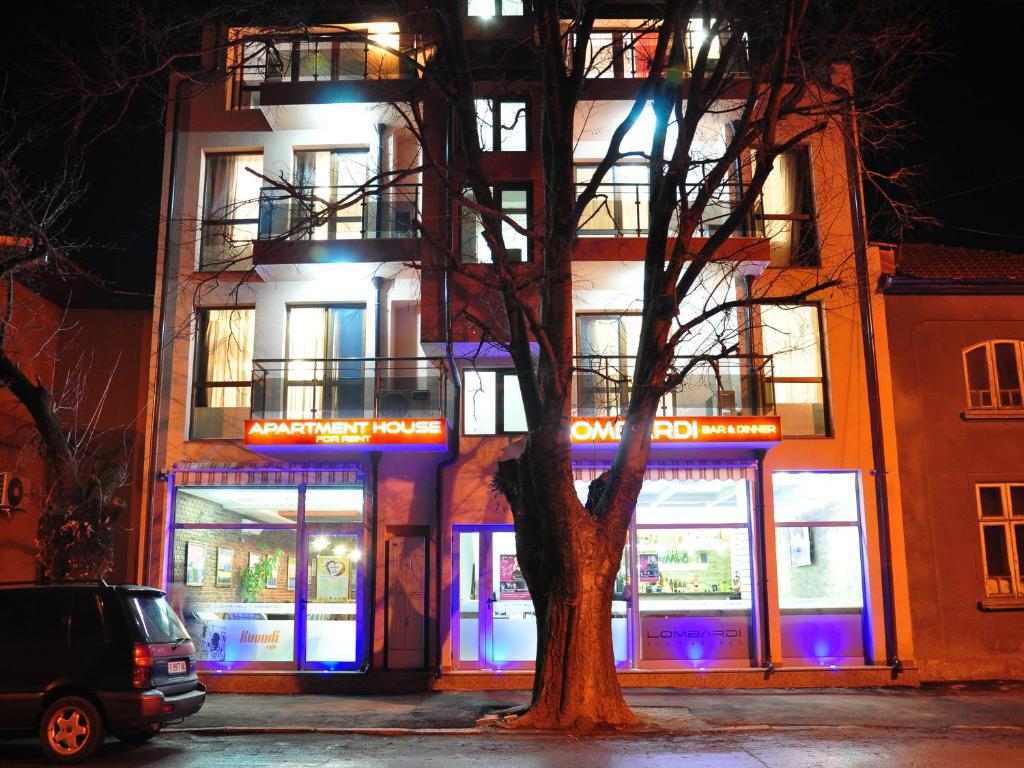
(80, 660)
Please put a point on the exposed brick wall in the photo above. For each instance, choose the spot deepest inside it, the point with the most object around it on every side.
(191, 509)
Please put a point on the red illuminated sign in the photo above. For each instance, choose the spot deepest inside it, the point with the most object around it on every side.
(347, 432)
(683, 429)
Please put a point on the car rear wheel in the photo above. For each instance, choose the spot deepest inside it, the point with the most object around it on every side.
(136, 737)
(71, 730)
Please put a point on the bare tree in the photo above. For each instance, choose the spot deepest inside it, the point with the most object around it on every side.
(76, 527)
(765, 78)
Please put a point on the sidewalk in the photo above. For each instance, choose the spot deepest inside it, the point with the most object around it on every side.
(976, 707)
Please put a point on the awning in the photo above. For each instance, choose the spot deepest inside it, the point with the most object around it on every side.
(197, 473)
(673, 470)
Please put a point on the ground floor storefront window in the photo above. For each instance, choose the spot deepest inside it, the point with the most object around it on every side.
(819, 566)
(684, 596)
(270, 575)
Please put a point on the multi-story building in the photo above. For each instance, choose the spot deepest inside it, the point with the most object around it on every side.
(956, 339)
(328, 418)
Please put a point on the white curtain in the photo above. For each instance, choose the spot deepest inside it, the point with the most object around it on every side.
(229, 351)
(779, 198)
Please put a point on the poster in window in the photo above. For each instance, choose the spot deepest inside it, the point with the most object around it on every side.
(332, 578)
(291, 574)
(512, 585)
(195, 564)
(800, 546)
(648, 571)
(225, 562)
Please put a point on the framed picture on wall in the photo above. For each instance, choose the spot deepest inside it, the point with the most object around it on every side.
(291, 574)
(195, 564)
(225, 566)
(800, 546)
(272, 577)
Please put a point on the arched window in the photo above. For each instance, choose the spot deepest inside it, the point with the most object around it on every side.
(993, 371)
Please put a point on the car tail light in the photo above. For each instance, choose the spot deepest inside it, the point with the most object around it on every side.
(142, 668)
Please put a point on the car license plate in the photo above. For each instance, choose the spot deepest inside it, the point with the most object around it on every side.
(177, 667)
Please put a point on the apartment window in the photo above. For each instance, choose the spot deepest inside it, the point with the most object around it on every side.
(493, 403)
(231, 207)
(1001, 518)
(502, 125)
(326, 377)
(993, 372)
(223, 372)
(514, 203)
(489, 8)
(788, 204)
(792, 336)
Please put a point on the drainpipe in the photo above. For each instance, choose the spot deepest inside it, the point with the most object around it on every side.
(455, 419)
(762, 570)
(874, 399)
(155, 473)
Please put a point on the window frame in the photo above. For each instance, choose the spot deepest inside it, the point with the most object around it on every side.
(497, 125)
(524, 4)
(994, 391)
(806, 216)
(826, 400)
(201, 357)
(206, 221)
(1008, 522)
(500, 373)
(496, 191)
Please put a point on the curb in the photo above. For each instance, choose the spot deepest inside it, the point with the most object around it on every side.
(215, 731)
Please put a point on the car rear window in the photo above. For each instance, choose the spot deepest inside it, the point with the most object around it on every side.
(156, 619)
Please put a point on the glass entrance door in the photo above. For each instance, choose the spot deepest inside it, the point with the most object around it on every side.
(495, 626)
(332, 605)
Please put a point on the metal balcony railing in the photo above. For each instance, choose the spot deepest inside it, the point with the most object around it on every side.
(340, 212)
(349, 388)
(739, 385)
(315, 58)
(623, 210)
(627, 53)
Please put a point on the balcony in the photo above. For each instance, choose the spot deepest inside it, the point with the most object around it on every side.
(320, 58)
(626, 53)
(349, 388)
(730, 386)
(623, 210)
(340, 212)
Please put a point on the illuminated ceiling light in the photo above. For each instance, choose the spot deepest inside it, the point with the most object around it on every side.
(340, 550)
(354, 555)
(319, 543)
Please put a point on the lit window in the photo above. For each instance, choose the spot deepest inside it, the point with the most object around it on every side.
(819, 565)
(514, 203)
(493, 403)
(792, 336)
(502, 125)
(230, 211)
(788, 205)
(489, 8)
(1001, 518)
(223, 377)
(993, 371)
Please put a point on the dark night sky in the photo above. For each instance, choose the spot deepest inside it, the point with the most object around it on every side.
(967, 144)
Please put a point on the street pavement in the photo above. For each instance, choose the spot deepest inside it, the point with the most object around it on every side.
(770, 749)
(981, 725)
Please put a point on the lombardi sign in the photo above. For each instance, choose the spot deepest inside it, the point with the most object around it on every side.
(672, 430)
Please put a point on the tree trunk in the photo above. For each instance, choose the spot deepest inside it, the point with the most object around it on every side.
(569, 560)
